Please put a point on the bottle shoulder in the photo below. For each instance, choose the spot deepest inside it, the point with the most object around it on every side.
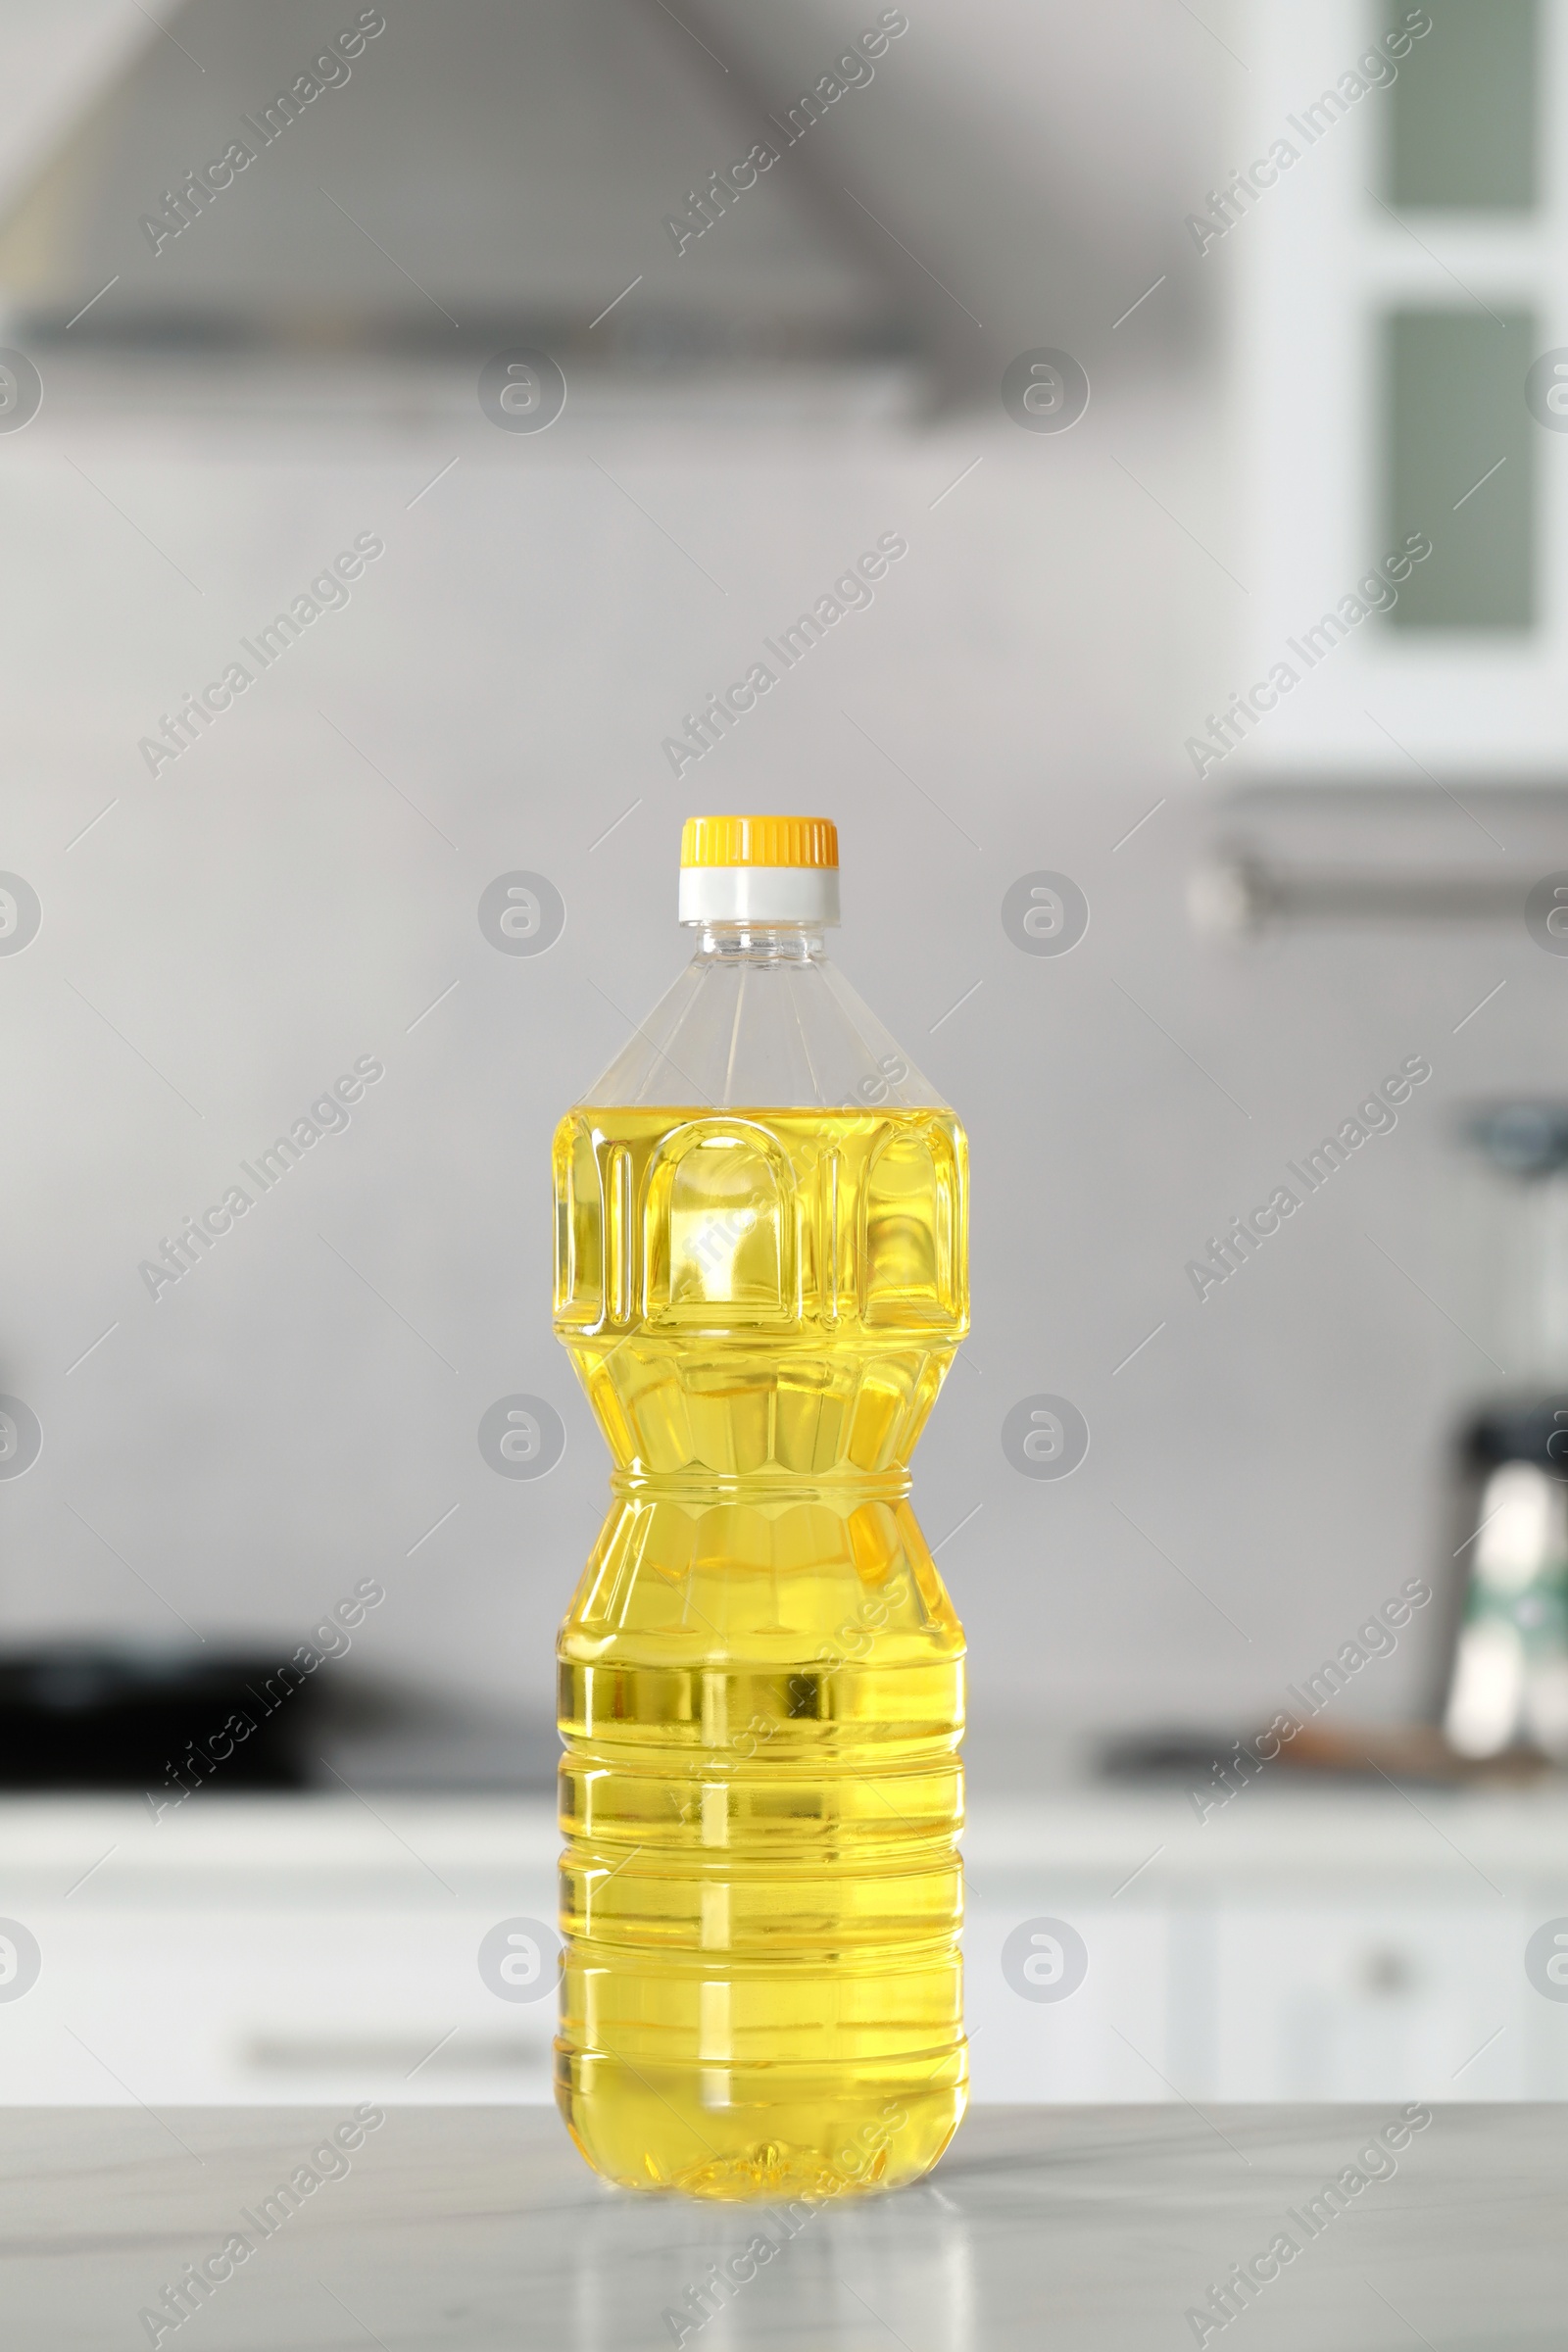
(788, 1032)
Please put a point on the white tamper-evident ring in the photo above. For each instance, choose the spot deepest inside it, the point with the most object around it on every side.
(758, 894)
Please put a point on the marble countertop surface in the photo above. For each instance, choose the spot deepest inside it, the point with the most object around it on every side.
(1093, 2229)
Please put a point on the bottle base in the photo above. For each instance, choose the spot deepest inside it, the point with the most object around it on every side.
(760, 2133)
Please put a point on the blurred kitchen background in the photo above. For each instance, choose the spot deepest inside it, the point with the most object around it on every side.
(1296, 379)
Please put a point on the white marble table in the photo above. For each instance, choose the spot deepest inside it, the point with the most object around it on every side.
(1082, 2228)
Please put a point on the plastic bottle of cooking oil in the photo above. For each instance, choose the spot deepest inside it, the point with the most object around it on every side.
(762, 1279)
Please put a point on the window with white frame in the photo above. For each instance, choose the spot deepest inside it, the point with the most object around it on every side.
(1400, 282)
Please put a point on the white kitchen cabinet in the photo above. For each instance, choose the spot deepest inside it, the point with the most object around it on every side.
(1109, 2040)
(1384, 1999)
(181, 2006)
(1306, 1944)
(273, 1951)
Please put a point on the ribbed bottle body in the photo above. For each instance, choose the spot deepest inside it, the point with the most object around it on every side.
(761, 1675)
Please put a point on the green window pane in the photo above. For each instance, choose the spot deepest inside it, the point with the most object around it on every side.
(1463, 111)
(1454, 414)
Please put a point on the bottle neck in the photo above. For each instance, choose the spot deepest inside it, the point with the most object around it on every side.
(759, 943)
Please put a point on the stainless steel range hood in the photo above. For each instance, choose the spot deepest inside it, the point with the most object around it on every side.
(325, 185)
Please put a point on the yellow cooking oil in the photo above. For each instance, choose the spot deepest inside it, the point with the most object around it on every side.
(761, 1675)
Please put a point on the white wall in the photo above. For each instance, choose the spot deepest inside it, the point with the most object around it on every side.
(271, 907)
